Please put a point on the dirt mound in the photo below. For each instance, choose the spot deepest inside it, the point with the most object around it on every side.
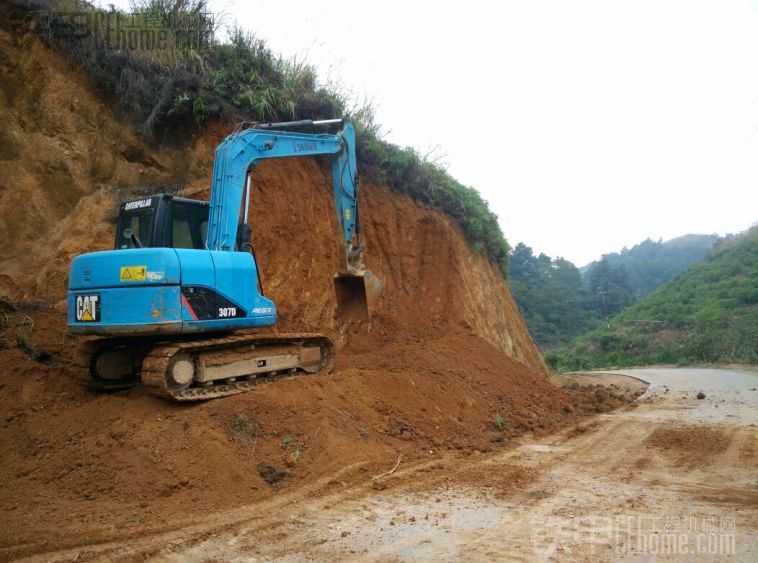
(690, 444)
(124, 462)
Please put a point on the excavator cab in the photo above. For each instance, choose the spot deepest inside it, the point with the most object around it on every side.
(162, 221)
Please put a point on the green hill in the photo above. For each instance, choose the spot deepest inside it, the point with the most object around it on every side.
(560, 302)
(650, 264)
(709, 313)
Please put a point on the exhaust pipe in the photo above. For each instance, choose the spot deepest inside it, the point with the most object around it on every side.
(296, 124)
(357, 295)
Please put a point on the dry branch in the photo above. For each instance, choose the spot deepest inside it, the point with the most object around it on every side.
(391, 471)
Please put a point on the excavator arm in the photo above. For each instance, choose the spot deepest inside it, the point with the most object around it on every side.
(240, 152)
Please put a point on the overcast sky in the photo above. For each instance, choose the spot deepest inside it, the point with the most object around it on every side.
(586, 125)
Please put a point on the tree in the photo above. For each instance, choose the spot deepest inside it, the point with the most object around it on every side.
(610, 287)
(550, 295)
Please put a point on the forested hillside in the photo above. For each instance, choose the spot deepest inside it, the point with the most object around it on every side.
(550, 295)
(709, 313)
(649, 264)
(560, 302)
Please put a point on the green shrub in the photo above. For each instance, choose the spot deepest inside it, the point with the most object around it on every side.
(499, 422)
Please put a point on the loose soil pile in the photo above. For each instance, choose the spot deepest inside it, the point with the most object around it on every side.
(107, 465)
(690, 444)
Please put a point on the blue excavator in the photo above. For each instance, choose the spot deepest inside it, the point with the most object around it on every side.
(175, 295)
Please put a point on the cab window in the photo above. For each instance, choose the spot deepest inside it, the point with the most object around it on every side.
(137, 222)
(189, 225)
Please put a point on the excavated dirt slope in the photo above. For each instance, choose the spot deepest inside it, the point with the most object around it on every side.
(445, 358)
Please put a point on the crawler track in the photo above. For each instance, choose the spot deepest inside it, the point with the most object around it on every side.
(157, 362)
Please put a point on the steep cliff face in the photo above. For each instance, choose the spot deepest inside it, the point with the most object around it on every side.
(60, 141)
(432, 278)
(66, 160)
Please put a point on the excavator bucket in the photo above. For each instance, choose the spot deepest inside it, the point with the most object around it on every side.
(357, 295)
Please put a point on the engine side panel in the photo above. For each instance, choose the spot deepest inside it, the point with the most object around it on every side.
(165, 291)
(227, 301)
(125, 268)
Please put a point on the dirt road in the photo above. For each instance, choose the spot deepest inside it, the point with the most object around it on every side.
(672, 476)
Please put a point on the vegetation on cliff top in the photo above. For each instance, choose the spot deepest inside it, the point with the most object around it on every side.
(168, 72)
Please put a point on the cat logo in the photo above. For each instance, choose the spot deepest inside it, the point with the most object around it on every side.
(133, 273)
(88, 308)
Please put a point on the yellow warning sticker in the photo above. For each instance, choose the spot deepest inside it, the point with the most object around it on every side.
(133, 273)
(347, 214)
